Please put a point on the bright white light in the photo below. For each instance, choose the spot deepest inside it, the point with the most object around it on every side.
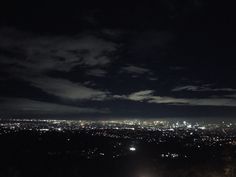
(132, 149)
(202, 128)
(189, 126)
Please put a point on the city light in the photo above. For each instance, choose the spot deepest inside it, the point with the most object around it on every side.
(132, 149)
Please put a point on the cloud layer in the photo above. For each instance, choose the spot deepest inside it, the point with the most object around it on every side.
(15, 105)
(66, 89)
(149, 97)
(88, 69)
(203, 88)
(40, 55)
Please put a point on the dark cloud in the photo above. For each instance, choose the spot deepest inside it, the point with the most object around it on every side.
(43, 54)
(30, 58)
(17, 105)
(153, 57)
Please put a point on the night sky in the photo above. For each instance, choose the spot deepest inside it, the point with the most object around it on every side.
(113, 60)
